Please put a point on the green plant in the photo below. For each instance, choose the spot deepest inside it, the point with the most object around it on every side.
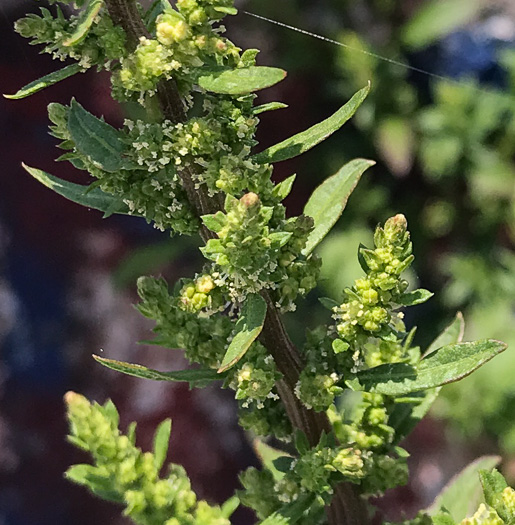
(341, 404)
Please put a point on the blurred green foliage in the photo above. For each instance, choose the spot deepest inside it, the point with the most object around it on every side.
(447, 152)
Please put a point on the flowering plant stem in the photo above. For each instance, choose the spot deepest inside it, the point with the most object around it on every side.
(346, 508)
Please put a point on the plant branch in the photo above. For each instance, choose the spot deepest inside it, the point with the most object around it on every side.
(347, 507)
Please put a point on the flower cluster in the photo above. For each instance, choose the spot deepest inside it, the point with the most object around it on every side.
(184, 41)
(204, 338)
(156, 194)
(368, 309)
(123, 473)
(103, 44)
(253, 255)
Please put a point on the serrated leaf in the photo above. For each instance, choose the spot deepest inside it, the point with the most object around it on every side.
(196, 377)
(46, 81)
(240, 81)
(96, 139)
(493, 484)
(328, 201)
(451, 335)
(436, 19)
(267, 456)
(306, 140)
(415, 297)
(405, 416)
(161, 442)
(86, 19)
(445, 365)
(291, 513)
(282, 190)
(463, 494)
(83, 195)
(249, 326)
(270, 106)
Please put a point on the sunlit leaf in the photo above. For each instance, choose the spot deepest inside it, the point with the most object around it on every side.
(271, 106)
(46, 81)
(291, 513)
(196, 377)
(328, 201)
(445, 365)
(91, 198)
(240, 81)
(249, 326)
(161, 442)
(87, 17)
(306, 140)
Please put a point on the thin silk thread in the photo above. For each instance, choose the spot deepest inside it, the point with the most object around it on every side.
(380, 57)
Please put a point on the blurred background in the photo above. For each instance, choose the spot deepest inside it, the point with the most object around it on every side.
(445, 153)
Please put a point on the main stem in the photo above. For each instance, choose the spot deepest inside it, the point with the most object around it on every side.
(346, 508)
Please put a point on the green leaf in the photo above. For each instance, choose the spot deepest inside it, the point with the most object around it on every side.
(85, 22)
(271, 106)
(96, 139)
(493, 484)
(91, 477)
(226, 10)
(157, 8)
(328, 303)
(161, 442)
(436, 19)
(445, 365)
(248, 327)
(463, 494)
(91, 198)
(443, 519)
(328, 201)
(230, 506)
(240, 81)
(306, 140)
(405, 416)
(291, 513)
(267, 456)
(46, 81)
(215, 222)
(415, 297)
(196, 377)
(451, 335)
(282, 190)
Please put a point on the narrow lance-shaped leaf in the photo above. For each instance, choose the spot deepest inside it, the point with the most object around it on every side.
(161, 442)
(270, 106)
(328, 201)
(306, 140)
(87, 17)
(240, 81)
(282, 190)
(91, 198)
(96, 139)
(248, 327)
(196, 377)
(463, 494)
(405, 416)
(445, 365)
(46, 81)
